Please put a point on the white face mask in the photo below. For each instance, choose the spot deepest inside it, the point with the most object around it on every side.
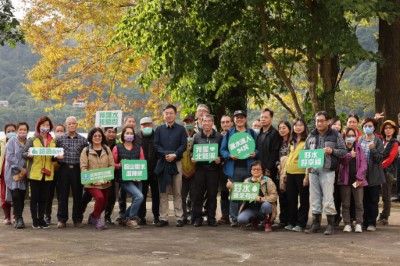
(257, 130)
(350, 140)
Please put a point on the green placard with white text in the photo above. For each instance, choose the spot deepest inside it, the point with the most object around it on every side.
(245, 191)
(134, 170)
(241, 144)
(97, 175)
(205, 152)
(311, 158)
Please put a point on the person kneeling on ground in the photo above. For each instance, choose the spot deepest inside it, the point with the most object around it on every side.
(264, 205)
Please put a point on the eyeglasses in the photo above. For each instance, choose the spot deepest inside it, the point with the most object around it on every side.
(256, 169)
(349, 136)
(97, 136)
(320, 121)
(388, 128)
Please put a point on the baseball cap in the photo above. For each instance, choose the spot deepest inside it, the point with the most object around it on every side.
(146, 120)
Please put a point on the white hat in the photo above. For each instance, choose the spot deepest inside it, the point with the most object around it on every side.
(146, 120)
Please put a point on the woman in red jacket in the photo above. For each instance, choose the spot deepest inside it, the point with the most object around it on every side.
(389, 131)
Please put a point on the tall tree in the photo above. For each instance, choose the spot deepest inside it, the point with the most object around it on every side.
(388, 70)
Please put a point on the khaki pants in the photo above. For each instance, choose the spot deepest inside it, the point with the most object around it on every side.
(176, 191)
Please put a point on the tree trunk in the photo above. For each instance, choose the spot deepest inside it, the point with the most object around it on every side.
(329, 71)
(387, 88)
(312, 80)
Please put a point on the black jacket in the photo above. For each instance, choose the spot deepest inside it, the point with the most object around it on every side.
(201, 138)
(268, 150)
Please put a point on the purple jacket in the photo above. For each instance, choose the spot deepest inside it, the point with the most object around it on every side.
(361, 167)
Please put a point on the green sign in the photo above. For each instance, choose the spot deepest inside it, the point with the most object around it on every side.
(36, 151)
(205, 152)
(245, 191)
(134, 170)
(311, 158)
(109, 118)
(97, 175)
(241, 144)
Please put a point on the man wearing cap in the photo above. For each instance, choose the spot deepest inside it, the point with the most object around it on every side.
(236, 169)
(146, 136)
(188, 168)
(170, 143)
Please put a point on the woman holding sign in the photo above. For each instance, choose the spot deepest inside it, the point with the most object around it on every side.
(264, 205)
(129, 149)
(40, 169)
(97, 156)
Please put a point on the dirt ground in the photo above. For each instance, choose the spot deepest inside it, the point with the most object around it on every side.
(195, 246)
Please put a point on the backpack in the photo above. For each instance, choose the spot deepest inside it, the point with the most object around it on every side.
(88, 147)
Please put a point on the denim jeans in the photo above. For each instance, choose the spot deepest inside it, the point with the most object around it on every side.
(321, 192)
(247, 214)
(135, 189)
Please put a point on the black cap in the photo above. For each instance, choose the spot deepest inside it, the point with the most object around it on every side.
(188, 118)
(239, 112)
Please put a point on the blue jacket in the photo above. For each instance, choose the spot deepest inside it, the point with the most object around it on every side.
(229, 164)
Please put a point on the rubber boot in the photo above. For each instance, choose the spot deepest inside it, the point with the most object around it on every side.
(330, 229)
(316, 224)
(267, 221)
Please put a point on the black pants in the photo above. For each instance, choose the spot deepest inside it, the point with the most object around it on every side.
(39, 192)
(111, 200)
(86, 198)
(69, 178)
(294, 188)
(186, 197)
(18, 198)
(152, 181)
(371, 200)
(202, 182)
(122, 202)
(49, 200)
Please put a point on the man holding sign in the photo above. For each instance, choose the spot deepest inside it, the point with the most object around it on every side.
(238, 150)
(322, 176)
(206, 156)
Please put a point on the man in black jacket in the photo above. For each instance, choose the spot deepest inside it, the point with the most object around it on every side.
(146, 137)
(205, 179)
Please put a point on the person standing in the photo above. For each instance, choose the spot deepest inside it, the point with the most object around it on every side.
(170, 143)
(146, 137)
(9, 130)
(40, 170)
(372, 147)
(226, 124)
(205, 180)
(389, 131)
(98, 155)
(15, 173)
(234, 168)
(69, 174)
(322, 180)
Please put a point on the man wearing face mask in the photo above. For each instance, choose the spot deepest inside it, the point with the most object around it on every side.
(9, 130)
(188, 168)
(256, 126)
(70, 174)
(146, 136)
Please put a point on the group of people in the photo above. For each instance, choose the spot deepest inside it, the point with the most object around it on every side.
(357, 166)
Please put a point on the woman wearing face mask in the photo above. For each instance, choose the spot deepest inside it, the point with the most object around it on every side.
(351, 180)
(373, 148)
(129, 149)
(59, 130)
(389, 131)
(40, 170)
(15, 173)
(9, 130)
(295, 179)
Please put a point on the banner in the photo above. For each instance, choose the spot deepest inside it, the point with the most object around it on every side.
(42, 151)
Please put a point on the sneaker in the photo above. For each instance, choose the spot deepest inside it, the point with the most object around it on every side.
(198, 222)
(224, 220)
(133, 224)
(234, 224)
(7, 221)
(47, 220)
(358, 228)
(371, 228)
(78, 224)
(19, 224)
(268, 227)
(108, 221)
(61, 225)
(347, 228)
(383, 221)
(297, 228)
(142, 221)
(155, 221)
(289, 227)
(162, 223)
(179, 223)
(36, 225)
(100, 224)
(44, 225)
